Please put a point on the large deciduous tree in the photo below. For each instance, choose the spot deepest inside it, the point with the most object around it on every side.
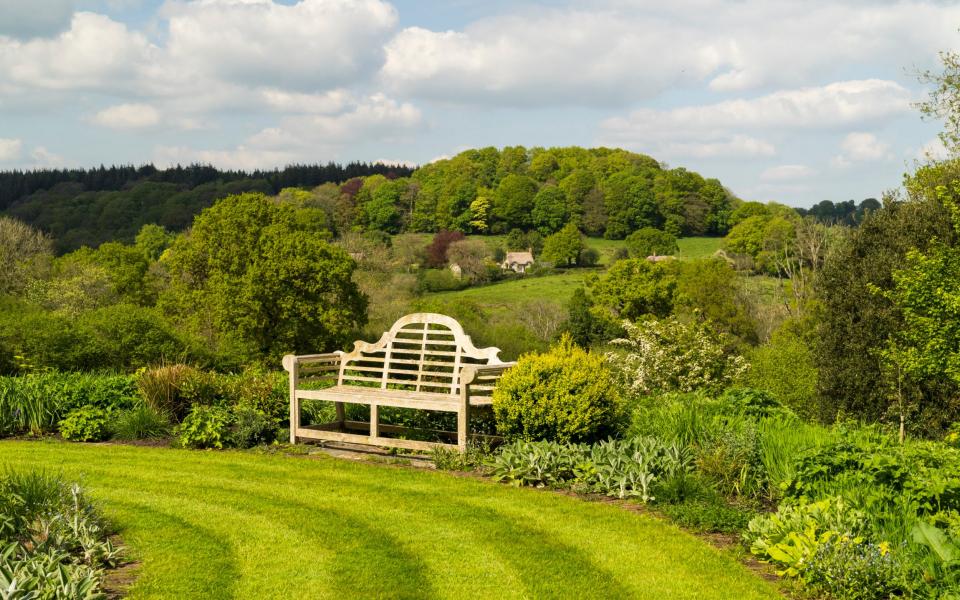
(250, 279)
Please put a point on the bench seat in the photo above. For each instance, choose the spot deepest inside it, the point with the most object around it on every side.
(353, 394)
(425, 362)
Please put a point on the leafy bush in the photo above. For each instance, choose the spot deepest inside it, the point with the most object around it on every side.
(852, 569)
(85, 424)
(54, 543)
(651, 242)
(785, 367)
(205, 427)
(440, 280)
(668, 355)
(451, 459)
(252, 427)
(142, 422)
(565, 395)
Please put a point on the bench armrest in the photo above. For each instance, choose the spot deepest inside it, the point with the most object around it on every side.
(470, 373)
(291, 362)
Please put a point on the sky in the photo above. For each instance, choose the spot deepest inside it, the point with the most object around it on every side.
(796, 102)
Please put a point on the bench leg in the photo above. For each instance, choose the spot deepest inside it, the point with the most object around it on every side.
(463, 426)
(341, 414)
(374, 420)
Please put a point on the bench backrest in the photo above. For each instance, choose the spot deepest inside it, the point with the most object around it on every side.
(422, 352)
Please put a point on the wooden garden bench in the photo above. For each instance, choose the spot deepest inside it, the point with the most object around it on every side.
(425, 362)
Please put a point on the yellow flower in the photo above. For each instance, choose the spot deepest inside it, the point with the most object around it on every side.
(884, 548)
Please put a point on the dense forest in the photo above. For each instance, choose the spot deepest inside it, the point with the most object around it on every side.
(609, 193)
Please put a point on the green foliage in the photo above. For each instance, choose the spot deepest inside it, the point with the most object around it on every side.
(857, 322)
(450, 459)
(586, 326)
(550, 210)
(252, 281)
(708, 516)
(252, 427)
(139, 423)
(152, 240)
(205, 427)
(633, 288)
(85, 424)
(651, 242)
(710, 290)
(785, 367)
(618, 468)
(53, 543)
(564, 247)
(35, 403)
(160, 389)
(564, 395)
(440, 280)
(848, 569)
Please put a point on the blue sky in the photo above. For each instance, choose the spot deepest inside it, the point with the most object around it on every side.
(789, 101)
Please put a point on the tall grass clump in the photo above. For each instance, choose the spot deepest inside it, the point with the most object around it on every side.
(143, 422)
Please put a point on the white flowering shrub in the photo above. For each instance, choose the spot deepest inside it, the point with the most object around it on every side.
(671, 356)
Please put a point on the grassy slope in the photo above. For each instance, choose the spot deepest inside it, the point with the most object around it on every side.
(558, 288)
(240, 525)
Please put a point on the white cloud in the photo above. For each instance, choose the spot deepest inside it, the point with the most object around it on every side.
(96, 53)
(294, 102)
(24, 19)
(787, 173)
(43, 158)
(724, 129)
(307, 45)
(241, 157)
(858, 147)
(302, 138)
(550, 57)
(10, 149)
(734, 146)
(128, 116)
(614, 53)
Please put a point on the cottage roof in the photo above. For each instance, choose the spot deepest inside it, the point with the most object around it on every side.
(519, 258)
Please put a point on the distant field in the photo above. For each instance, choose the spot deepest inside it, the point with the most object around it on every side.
(556, 288)
(699, 247)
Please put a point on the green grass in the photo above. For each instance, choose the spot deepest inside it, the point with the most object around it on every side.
(242, 525)
(557, 288)
(699, 247)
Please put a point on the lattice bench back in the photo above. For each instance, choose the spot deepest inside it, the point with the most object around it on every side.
(422, 352)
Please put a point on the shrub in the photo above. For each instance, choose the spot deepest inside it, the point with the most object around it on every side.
(252, 427)
(565, 395)
(140, 423)
(852, 569)
(785, 367)
(440, 280)
(667, 355)
(85, 424)
(651, 242)
(205, 427)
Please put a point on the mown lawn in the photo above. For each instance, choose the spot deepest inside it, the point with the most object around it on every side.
(242, 525)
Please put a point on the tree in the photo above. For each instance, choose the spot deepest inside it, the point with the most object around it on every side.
(514, 202)
(153, 239)
(633, 288)
(856, 321)
(472, 256)
(25, 255)
(564, 247)
(587, 326)
(550, 210)
(944, 100)
(651, 242)
(436, 252)
(710, 290)
(252, 282)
